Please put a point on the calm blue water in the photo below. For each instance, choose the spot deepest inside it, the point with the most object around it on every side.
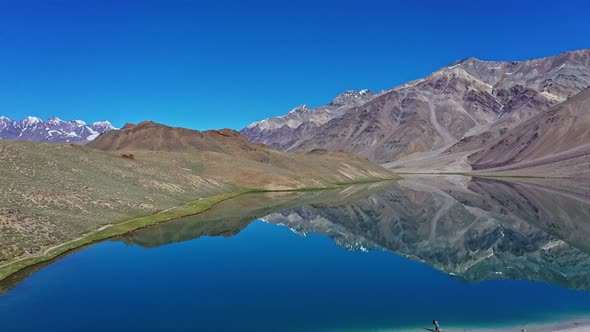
(265, 278)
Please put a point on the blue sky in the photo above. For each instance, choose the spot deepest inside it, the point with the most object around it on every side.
(217, 64)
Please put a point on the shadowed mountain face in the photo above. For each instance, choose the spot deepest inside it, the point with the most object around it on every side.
(476, 229)
(455, 109)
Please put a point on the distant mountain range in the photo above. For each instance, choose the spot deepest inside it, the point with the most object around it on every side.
(438, 122)
(519, 117)
(53, 130)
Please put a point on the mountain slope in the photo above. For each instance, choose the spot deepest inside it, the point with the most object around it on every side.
(228, 156)
(550, 138)
(457, 108)
(283, 132)
(53, 130)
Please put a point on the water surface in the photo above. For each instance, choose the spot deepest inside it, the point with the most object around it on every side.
(392, 256)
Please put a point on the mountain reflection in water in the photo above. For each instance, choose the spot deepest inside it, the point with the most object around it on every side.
(474, 228)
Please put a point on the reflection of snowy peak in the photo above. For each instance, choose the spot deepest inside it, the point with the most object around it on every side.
(304, 220)
(53, 130)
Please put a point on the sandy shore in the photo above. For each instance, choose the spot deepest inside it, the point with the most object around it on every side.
(569, 325)
(573, 325)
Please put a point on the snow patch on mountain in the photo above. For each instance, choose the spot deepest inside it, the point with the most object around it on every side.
(32, 120)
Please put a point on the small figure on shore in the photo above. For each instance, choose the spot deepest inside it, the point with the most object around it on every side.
(436, 326)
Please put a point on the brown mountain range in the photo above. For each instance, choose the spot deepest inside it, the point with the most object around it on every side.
(437, 122)
(228, 156)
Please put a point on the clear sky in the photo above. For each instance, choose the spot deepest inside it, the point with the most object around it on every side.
(224, 63)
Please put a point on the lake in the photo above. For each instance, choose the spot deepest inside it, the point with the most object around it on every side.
(469, 252)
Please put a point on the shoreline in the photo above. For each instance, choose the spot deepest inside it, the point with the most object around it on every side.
(129, 225)
(567, 324)
(112, 230)
(480, 175)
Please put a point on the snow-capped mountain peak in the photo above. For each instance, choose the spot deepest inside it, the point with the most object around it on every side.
(300, 108)
(54, 120)
(352, 96)
(4, 121)
(32, 120)
(105, 124)
(53, 130)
